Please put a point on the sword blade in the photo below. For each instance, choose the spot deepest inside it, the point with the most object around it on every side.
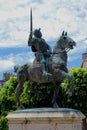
(31, 22)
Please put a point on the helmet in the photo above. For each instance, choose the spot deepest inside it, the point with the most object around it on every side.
(37, 33)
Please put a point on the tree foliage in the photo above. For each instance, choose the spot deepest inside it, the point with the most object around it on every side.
(7, 96)
(7, 101)
(3, 123)
(79, 98)
(30, 100)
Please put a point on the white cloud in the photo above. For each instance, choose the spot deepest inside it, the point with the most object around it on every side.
(22, 58)
(6, 64)
(52, 17)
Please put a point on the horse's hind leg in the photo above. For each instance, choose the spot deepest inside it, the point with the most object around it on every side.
(17, 93)
(56, 90)
(34, 90)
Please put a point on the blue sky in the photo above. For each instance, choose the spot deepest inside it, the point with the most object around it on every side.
(52, 17)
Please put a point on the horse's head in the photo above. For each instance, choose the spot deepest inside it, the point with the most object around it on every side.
(66, 42)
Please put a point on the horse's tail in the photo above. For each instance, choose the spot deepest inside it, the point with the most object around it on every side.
(16, 67)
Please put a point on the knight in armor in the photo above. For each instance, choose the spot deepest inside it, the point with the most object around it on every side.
(41, 49)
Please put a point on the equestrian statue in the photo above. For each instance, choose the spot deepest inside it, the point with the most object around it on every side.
(48, 66)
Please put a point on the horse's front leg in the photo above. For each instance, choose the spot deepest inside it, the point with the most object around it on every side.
(62, 75)
(65, 75)
(17, 93)
(56, 90)
(72, 84)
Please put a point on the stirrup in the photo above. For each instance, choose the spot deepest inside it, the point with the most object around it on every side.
(46, 74)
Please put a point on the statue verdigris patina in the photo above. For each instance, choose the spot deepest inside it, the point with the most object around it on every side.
(57, 66)
(41, 50)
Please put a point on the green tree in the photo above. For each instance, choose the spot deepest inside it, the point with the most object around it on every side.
(26, 97)
(79, 98)
(3, 123)
(7, 96)
(7, 101)
(30, 100)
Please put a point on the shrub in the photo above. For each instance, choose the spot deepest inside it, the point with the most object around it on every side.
(3, 123)
(79, 98)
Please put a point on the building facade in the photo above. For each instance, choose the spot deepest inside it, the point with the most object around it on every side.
(6, 77)
(84, 60)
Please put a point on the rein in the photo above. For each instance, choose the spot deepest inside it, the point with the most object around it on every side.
(67, 50)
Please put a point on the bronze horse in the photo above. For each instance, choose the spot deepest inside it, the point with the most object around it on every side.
(57, 67)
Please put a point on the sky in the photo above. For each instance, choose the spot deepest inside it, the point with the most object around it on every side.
(52, 17)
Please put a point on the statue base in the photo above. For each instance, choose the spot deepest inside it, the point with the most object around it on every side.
(46, 119)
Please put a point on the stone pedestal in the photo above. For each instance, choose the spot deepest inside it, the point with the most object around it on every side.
(46, 119)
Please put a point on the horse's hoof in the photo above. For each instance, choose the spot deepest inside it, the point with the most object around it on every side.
(55, 105)
(20, 106)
